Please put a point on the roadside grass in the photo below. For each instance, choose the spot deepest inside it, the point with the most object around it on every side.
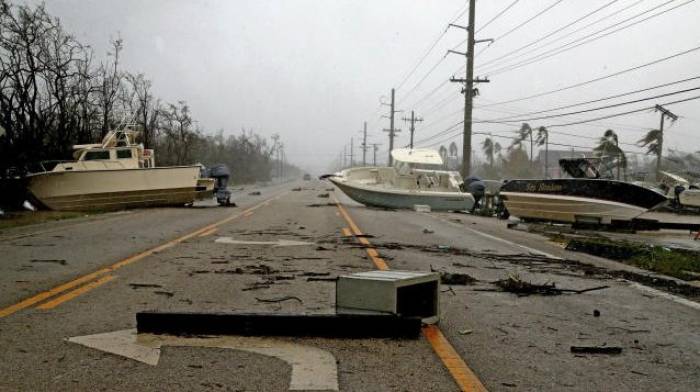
(24, 218)
(679, 263)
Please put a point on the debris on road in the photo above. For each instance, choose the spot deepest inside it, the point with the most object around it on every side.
(455, 278)
(281, 299)
(144, 286)
(256, 193)
(421, 208)
(596, 313)
(596, 350)
(56, 261)
(514, 284)
(321, 205)
(165, 293)
(265, 284)
(323, 195)
(428, 231)
(314, 274)
(465, 332)
(297, 189)
(313, 279)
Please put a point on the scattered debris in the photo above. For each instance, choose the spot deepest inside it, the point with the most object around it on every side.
(428, 231)
(256, 193)
(309, 273)
(322, 248)
(596, 313)
(509, 384)
(330, 189)
(285, 277)
(323, 195)
(454, 278)
(297, 189)
(312, 279)
(596, 350)
(449, 290)
(281, 299)
(165, 293)
(57, 261)
(514, 284)
(465, 332)
(321, 205)
(259, 285)
(144, 286)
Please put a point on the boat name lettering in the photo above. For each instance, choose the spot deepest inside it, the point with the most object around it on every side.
(543, 187)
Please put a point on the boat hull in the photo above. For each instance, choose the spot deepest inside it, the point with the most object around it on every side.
(396, 199)
(115, 189)
(578, 200)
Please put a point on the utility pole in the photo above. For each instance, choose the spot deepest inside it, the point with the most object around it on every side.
(345, 156)
(469, 91)
(392, 131)
(664, 113)
(375, 148)
(364, 145)
(413, 120)
(352, 149)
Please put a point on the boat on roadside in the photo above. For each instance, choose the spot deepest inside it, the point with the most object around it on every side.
(115, 174)
(585, 198)
(417, 177)
(683, 193)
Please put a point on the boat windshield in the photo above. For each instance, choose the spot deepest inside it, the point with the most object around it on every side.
(406, 167)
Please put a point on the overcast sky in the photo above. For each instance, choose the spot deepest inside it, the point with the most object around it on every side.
(314, 70)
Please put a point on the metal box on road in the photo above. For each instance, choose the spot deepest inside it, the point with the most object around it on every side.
(406, 293)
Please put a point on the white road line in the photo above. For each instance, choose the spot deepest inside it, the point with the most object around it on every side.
(489, 236)
(666, 295)
(313, 369)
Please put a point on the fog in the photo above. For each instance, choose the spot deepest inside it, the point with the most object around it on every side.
(313, 71)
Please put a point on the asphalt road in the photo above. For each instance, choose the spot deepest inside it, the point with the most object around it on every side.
(90, 276)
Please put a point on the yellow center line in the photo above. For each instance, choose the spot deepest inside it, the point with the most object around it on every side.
(72, 294)
(208, 232)
(346, 232)
(461, 373)
(247, 214)
(4, 312)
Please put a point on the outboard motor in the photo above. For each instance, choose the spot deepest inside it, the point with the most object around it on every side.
(221, 174)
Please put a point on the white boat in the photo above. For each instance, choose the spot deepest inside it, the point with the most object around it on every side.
(585, 198)
(116, 174)
(680, 189)
(417, 178)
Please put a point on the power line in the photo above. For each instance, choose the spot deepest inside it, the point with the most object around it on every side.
(608, 97)
(566, 47)
(592, 109)
(431, 47)
(498, 15)
(516, 28)
(614, 74)
(553, 32)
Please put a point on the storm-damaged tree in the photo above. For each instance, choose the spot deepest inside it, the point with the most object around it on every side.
(652, 141)
(177, 134)
(443, 155)
(524, 132)
(110, 81)
(147, 108)
(609, 146)
(543, 139)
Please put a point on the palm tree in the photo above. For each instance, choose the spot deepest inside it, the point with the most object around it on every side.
(653, 141)
(543, 138)
(443, 155)
(524, 132)
(488, 148)
(610, 146)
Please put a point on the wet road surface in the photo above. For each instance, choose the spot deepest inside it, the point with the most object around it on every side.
(90, 276)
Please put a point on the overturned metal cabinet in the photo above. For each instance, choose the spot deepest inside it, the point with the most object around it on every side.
(405, 293)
